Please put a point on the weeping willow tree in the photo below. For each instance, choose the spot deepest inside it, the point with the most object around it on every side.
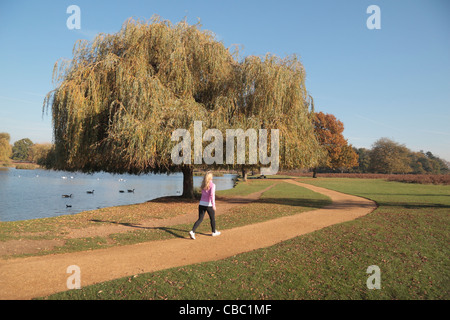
(117, 102)
(273, 96)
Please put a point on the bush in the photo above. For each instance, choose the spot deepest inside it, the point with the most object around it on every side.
(422, 178)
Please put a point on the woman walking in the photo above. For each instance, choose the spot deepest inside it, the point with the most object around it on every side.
(208, 204)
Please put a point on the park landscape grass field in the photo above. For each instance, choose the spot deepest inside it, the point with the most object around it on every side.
(407, 237)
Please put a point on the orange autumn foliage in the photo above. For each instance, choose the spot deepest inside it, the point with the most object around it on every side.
(329, 132)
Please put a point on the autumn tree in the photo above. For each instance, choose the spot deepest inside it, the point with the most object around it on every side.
(388, 156)
(338, 153)
(439, 166)
(117, 102)
(272, 95)
(39, 153)
(21, 149)
(5, 147)
(363, 159)
(423, 163)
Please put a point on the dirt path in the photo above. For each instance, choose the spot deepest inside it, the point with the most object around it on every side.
(39, 276)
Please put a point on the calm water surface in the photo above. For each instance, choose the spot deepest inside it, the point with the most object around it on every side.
(32, 194)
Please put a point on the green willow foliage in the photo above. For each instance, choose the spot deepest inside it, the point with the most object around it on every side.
(119, 99)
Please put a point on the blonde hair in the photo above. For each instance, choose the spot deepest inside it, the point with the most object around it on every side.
(206, 180)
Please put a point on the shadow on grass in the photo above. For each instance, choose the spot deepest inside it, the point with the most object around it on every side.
(126, 224)
(176, 232)
(296, 202)
(173, 200)
(414, 205)
(407, 194)
(275, 177)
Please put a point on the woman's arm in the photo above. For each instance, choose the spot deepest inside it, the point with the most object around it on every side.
(212, 196)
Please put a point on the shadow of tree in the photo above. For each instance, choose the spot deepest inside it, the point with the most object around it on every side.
(414, 205)
(176, 232)
(173, 199)
(296, 202)
(406, 194)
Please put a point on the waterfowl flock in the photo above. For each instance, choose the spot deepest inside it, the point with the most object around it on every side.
(92, 192)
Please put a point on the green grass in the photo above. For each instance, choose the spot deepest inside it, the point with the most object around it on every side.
(389, 194)
(244, 188)
(407, 237)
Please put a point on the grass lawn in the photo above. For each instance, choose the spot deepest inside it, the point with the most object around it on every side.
(407, 237)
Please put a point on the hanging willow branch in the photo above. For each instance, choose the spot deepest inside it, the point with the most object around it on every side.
(119, 99)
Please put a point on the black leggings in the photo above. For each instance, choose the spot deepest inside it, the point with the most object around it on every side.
(201, 214)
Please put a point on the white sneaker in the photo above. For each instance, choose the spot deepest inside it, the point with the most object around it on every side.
(215, 234)
(192, 234)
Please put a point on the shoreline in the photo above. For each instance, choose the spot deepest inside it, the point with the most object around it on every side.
(21, 165)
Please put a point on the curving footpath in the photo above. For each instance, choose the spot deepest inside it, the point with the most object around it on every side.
(26, 278)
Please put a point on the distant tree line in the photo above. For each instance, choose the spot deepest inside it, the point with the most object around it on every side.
(23, 150)
(388, 156)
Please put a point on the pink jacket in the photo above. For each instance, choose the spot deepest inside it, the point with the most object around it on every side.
(208, 198)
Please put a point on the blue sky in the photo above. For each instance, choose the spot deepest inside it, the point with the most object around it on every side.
(393, 82)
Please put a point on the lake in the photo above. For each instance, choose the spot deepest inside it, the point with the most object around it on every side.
(32, 194)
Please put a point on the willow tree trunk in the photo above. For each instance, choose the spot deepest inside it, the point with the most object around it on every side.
(244, 174)
(188, 182)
